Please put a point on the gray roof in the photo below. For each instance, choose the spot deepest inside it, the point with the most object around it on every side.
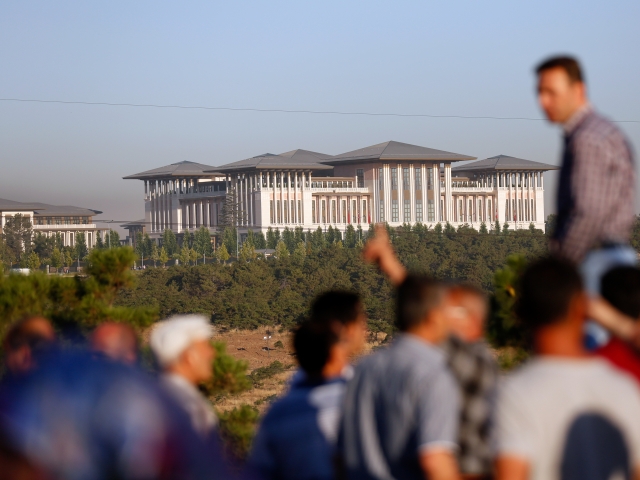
(180, 169)
(46, 210)
(504, 162)
(295, 159)
(396, 151)
(135, 223)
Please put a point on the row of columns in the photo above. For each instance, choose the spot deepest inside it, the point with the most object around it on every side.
(344, 211)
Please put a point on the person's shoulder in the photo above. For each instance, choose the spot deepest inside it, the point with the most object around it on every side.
(614, 378)
(597, 127)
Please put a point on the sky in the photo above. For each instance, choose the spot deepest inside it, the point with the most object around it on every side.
(464, 58)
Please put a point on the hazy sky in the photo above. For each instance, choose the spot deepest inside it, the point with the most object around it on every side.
(442, 58)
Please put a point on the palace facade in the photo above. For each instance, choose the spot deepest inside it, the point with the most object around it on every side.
(51, 220)
(390, 182)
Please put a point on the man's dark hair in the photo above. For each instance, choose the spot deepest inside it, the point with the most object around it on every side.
(569, 64)
(336, 306)
(312, 343)
(620, 287)
(546, 289)
(417, 296)
(20, 335)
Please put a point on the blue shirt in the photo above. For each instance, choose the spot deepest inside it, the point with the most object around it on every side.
(297, 437)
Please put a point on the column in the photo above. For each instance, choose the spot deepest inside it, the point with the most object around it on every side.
(448, 199)
(412, 192)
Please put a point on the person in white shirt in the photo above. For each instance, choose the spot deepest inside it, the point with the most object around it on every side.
(564, 415)
(182, 346)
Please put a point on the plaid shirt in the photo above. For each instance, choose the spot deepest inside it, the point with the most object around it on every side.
(596, 188)
(476, 373)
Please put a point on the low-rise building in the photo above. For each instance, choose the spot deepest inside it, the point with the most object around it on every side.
(51, 220)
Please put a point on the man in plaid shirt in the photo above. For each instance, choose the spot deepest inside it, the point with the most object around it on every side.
(596, 190)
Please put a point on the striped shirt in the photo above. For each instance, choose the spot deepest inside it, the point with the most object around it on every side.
(596, 188)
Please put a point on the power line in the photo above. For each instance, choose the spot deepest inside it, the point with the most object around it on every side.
(280, 110)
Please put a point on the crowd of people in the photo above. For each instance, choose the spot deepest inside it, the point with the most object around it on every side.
(430, 404)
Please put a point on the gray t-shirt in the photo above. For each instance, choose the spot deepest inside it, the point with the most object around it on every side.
(401, 402)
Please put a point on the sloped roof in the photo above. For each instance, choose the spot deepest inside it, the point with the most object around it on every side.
(47, 210)
(295, 159)
(504, 162)
(393, 150)
(179, 169)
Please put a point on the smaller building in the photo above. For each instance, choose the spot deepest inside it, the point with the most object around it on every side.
(50, 220)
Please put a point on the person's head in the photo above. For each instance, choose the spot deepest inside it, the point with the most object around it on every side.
(116, 341)
(552, 299)
(25, 341)
(421, 308)
(317, 348)
(561, 88)
(620, 287)
(182, 345)
(468, 312)
(344, 309)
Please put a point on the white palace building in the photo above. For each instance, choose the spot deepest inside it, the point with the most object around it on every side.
(390, 182)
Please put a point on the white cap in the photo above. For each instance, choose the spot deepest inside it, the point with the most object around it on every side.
(170, 337)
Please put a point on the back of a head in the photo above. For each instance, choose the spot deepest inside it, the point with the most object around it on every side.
(312, 343)
(116, 341)
(569, 64)
(170, 338)
(417, 296)
(546, 290)
(336, 306)
(621, 288)
(33, 332)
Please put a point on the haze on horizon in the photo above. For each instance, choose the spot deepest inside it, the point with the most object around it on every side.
(459, 58)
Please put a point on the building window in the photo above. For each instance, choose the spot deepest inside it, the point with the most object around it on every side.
(364, 212)
(407, 210)
(381, 212)
(395, 215)
(380, 180)
(470, 212)
(418, 210)
(333, 211)
(344, 211)
(533, 211)
(431, 211)
(324, 212)
(429, 178)
(480, 216)
(418, 181)
(394, 178)
(460, 211)
(354, 213)
(271, 211)
(405, 179)
(313, 211)
(514, 211)
(278, 212)
(299, 211)
(360, 177)
(441, 213)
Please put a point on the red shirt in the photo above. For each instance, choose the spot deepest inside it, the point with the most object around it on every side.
(623, 356)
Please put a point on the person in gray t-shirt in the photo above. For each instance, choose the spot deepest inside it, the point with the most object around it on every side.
(400, 416)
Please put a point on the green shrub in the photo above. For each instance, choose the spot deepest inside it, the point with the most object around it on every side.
(262, 373)
(237, 428)
(278, 344)
(229, 374)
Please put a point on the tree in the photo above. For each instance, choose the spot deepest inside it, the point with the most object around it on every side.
(505, 228)
(113, 239)
(232, 215)
(187, 239)
(330, 236)
(260, 241)
(99, 243)
(230, 239)
(43, 245)
(247, 252)
(17, 234)
(202, 243)
(56, 258)
(33, 262)
(222, 254)
(483, 228)
(318, 241)
(350, 237)
(155, 254)
(300, 252)
(193, 256)
(289, 239)
(68, 256)
(163, 256)
(496, 228)
(169, 242)
(281, 250)
(184, 256)
(271, 239)
(81, 245)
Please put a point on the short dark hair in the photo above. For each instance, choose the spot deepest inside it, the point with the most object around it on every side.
(546, 289)
(569, 64)
(417, 296)
(620, 287)
(20, 335)
(336, 306)
(312, 344)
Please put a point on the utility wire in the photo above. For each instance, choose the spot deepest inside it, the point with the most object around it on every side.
(279, 110)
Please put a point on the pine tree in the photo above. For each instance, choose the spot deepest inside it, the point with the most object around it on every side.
(33, 262)
(155, 254)
(260, 241)
(496, 228)
(483, 228)
(169, 242)
(81, 245)
(56, 258)
(281, 250)
(163, 256)
(350, 237)
(271, 239)
(289, 239)
(202, 242)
